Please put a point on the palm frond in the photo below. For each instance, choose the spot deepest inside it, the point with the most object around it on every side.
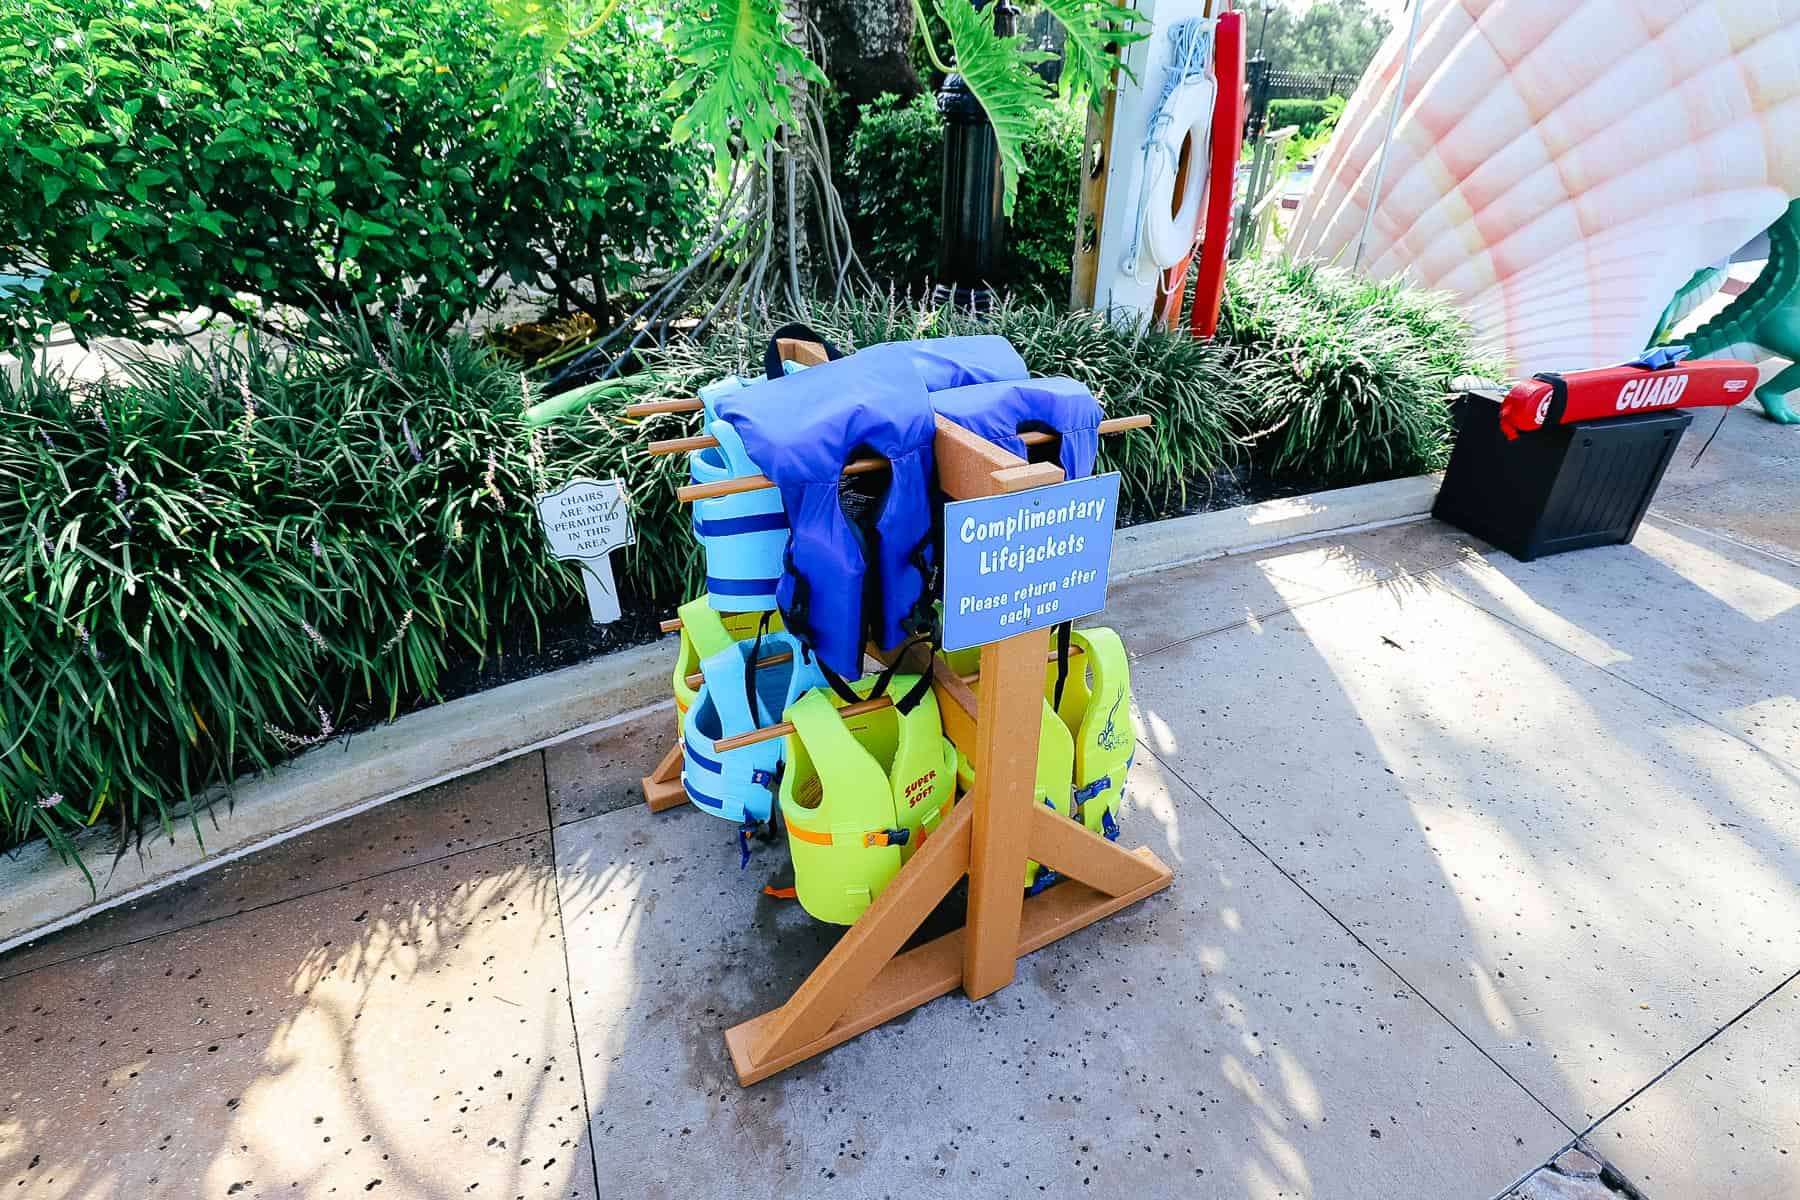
(741, 68)
(1098, 30)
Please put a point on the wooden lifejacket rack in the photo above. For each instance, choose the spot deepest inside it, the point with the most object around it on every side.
(868, 978)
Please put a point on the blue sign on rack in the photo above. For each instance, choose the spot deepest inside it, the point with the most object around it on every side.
(1026, 560)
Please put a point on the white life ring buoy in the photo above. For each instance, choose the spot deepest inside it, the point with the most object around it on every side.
(1169, 230)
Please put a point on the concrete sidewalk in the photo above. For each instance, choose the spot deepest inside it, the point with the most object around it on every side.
(1472, 857)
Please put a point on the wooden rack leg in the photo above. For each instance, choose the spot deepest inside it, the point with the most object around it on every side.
(863, 982)
(1006, 743)
(1071, 849)
(662, 787)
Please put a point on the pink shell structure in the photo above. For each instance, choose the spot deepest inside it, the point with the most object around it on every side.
(1564, 168)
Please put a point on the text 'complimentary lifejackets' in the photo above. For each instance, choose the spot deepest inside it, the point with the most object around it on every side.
(1026, 560)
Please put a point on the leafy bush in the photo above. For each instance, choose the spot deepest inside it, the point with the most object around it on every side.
(893, 181)
(161, 156)
(1315, 127)
(206, 565)
(1311, 116)
(1344, 379)
(1185, 385)
(209, 563)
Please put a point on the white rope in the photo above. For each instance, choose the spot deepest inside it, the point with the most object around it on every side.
(1188, 91)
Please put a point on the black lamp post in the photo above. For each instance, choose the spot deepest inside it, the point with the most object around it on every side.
(973, 237)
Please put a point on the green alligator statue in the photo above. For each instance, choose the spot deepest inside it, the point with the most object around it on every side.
(1764, 318)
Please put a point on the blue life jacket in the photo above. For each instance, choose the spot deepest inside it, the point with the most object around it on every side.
(941, 362)
(1000, 412)
(742, 535)
(955, 362)
(738, 785)
(801, 430)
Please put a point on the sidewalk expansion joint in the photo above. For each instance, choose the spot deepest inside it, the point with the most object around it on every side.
(254, 908)
(562, 929)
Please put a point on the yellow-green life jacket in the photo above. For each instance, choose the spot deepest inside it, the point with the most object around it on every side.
(1096, 710)
(704, 632)
(1055, 768)
(858, 796)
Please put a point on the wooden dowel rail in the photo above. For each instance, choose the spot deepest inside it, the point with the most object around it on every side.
(1033, 437)
(781, 729)
(752, 483)
(696, 679)
(650, 408)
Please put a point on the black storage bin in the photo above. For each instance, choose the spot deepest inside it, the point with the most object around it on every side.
(1564, 487)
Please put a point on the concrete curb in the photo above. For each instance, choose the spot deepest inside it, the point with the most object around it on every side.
(1160, 545)
(40, 894)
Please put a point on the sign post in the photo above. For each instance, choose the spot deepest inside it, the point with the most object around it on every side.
(585, 520)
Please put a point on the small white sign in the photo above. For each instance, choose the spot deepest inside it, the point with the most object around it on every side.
(585, 520)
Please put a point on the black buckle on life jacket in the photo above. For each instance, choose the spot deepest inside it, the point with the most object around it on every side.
(887, 837)
(762, 831)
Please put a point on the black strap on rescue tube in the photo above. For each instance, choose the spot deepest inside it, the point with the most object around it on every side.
(793, 331)
(1559, 396)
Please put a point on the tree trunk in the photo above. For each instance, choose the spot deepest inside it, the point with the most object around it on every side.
(868, 47)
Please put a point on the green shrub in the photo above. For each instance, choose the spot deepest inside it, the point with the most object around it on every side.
(893, 181)
(205, 565)
(161, 155)
(1312, 116)
(1345, 380)
(214, 560)
(1314, 133)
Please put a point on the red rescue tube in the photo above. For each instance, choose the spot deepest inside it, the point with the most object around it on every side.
(1227, 142)
(1550, 399)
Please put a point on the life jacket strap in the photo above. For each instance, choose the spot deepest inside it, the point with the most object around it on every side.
(1084, 794)
(785, 893)
(762, 831)
(874, 837)
(1063, 632)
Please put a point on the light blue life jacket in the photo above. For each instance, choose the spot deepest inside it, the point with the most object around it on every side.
(741, 536)
(738, 784)
(848, 581)
(1001, 411)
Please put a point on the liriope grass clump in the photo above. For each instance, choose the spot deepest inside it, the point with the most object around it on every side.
(211, 562)
(1185, 385)
(1345, 380)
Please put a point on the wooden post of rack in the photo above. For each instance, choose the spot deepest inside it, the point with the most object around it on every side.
(866, 979)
